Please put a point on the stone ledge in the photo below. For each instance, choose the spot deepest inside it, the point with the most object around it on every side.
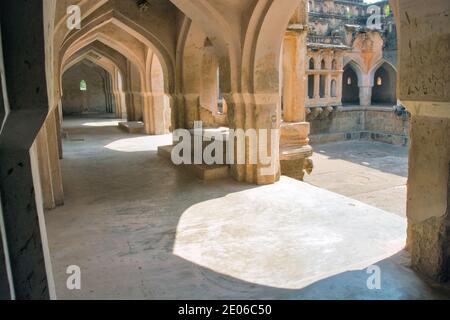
(389, 138)
(132, 127)
(202, 171)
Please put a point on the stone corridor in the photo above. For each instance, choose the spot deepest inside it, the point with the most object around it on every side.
(92, 192)
(141, 230)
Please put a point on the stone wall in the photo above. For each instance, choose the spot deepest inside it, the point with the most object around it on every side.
(354, 123)
(95, 99)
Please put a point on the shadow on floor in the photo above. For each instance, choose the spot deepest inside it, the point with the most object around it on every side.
(121, 225)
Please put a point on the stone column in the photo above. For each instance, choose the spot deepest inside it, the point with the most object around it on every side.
(161, 113)
(294, 131)
(178, 111)
(55, 168)
(209, 92)
(45, 169)
(129, 101)
(109, 93)
(428, 204)
(118, 104)
(263, 112)
(148, 114)
(191, 112)
(237, 120)
(58, 115)
(365, 95)
(316, 86)
(134, 94)
(117, 94)
(339, 87)
(294, 73)
(340, 77)
(327, 86)
(423, 90)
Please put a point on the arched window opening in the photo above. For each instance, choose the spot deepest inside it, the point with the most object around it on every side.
(387, 10)
(350, 89)
(310, 86)
(311, 64)
(220, 105)
(379, 81)
(322, 64)
(88, 89)
(334, 64)
(384, 89)
(333, 89)
(322, 86)
(348, 12)
(83, 85)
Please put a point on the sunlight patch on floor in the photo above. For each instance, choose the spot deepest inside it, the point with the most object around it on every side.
(140, 144)
(97, 124)
(288, 235)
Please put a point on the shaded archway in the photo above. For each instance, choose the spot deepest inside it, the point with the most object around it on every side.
(350, 88)
(385, 86)
(110, 60)
(87, 89)
(138, 46)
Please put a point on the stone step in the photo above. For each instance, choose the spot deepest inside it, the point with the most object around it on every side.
(165, 152)
(202, 171)
(210, 172)
(132, 127)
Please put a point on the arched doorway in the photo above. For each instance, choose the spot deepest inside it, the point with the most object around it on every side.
(384, 87)
(350, 89)
(87, 89)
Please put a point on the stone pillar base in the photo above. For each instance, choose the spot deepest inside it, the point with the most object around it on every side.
(430, 247)
(295, 150)
(365, 96)
(429, 244)
(295, 162)
(428, 198)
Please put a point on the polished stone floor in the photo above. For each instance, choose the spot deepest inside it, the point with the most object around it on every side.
(140, 228)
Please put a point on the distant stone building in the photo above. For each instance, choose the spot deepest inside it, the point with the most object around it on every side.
(351, 52)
